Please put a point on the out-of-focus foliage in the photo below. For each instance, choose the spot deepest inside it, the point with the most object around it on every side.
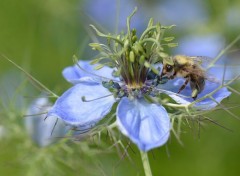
(42, 36)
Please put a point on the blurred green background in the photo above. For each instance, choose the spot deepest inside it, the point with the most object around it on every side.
(42, 36)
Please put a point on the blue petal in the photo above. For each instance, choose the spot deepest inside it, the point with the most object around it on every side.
(205, 104)
(74, 73)
(43, 131)
(147, 125)
(70, 107)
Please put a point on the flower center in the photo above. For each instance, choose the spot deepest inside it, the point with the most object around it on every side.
(133, 57)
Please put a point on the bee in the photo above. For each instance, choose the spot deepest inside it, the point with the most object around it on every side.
(189, 68)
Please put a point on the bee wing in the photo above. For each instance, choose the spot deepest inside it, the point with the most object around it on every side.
(201, 60)
(212, 78)
(202, 73)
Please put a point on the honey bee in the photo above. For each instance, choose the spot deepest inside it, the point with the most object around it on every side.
(189, 68)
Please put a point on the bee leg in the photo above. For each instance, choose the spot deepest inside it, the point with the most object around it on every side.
(195, 94)
(161, 75)
(173, 75)
(184, 85)
(197, 87)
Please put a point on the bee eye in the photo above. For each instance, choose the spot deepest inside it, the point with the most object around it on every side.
(169, 68)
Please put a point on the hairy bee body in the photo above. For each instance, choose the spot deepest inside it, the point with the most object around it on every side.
(188, 68)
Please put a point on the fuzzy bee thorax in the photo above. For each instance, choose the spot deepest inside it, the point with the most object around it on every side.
(181, 60)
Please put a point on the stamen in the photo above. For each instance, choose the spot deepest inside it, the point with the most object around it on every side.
(170, 92)
(55, 124)
(45, 117)
(84, 98)
(31, 115)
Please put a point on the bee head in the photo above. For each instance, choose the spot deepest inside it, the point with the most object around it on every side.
(167, 70)
(168, 67)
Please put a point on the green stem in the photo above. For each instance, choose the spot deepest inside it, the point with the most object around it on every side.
(146, 164)
(223, 52)
(34, 80)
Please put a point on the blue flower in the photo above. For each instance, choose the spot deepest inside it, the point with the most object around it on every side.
(140, 113)
(147, 125)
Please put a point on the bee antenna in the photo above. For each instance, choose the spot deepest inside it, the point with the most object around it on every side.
(160, 76)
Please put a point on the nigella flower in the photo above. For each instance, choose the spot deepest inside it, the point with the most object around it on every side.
(134, 85)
